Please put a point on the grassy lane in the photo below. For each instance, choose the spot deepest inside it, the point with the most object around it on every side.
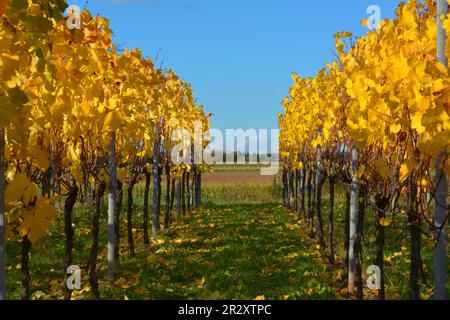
(235, 252)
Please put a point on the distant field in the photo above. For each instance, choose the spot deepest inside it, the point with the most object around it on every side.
(238, 174)
(237, 167)
(237, 178)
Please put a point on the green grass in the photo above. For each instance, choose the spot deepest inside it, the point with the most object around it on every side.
(239, 245)
(236, 251)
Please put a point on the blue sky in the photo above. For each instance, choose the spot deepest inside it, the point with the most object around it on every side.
(238, 54)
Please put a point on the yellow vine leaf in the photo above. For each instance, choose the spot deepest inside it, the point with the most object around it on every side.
(112, 121)
(417, 123)
(385, 222)
(83, 109)
(404, 172)
(395, 128)
(122, 174)
(20, 189)
(36, 220)
(201, 282)
(382, 168)
(41, 157)
(77, 174)
(360, 172)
